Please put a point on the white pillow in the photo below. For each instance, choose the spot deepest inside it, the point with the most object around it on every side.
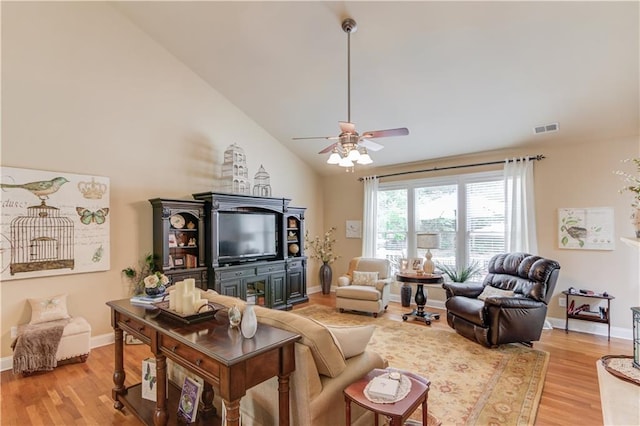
(352, 340)
(494, 292)
(48, 309)
(365, 278)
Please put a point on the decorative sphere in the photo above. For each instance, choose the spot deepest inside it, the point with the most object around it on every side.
(294, 248)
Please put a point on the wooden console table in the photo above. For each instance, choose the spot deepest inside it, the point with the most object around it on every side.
(221, 356)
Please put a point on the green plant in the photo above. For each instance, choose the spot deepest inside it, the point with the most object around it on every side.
(462, 274)
(136, 276)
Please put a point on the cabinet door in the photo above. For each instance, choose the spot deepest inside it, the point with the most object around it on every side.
(296, 281)
(231, 287)
(278, 290)
(256, 290)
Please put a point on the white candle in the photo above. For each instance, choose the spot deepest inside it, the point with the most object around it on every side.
(198, 304)
(172, 300)
(178, 293)
(190, 284)
(187, 304)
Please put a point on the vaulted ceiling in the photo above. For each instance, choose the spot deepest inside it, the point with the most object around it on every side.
(464, 77)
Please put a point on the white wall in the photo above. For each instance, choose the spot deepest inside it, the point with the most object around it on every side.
(84, 91)
(573, 174)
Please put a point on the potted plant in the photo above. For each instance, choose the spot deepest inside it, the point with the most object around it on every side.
(136, 276)
(322, 249)
(460, 275)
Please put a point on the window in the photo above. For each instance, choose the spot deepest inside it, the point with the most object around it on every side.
(466, 210)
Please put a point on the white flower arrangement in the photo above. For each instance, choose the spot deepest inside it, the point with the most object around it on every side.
(156, 279)
(632, 182)
(322, 249)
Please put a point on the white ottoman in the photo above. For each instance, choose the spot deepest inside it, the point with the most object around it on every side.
(75, 343)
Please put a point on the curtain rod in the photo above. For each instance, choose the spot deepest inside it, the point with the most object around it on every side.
(532, 157)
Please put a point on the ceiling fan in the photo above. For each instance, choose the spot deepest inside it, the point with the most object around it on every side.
(350, 146)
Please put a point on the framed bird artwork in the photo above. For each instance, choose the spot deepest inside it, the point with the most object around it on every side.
(53, 223)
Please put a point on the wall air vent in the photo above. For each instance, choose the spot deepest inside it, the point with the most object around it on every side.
(553, 127)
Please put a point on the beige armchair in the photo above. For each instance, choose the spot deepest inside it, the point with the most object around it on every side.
(365, 287)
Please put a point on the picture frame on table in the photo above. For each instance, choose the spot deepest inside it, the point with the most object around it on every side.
(416, 263)
(173, 242)
(178, 261)
(404, 265)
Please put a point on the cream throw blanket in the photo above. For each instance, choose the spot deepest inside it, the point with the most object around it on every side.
(36, 345)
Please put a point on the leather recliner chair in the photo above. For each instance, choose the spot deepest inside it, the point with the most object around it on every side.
(513, 300)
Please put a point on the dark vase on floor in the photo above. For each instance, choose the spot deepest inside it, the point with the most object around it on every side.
(325, 278)
(405, 294)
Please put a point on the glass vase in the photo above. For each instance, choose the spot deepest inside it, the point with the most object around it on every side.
(249, 324)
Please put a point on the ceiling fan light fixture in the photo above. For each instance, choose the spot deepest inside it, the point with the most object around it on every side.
(364, 158)
(334, 158)
(354, 154)
(345, 162)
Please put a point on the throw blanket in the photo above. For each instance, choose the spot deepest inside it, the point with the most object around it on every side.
(36, 345)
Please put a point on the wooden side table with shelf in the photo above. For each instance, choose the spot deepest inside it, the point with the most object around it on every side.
(604, 319)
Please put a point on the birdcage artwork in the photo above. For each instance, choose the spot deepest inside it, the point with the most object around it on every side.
(261, 183)
(41, 240)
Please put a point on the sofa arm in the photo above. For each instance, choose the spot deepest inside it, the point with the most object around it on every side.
(463, 289)
(383, 285)
(513, 302)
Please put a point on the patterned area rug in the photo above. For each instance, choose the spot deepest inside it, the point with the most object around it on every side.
(470, 384)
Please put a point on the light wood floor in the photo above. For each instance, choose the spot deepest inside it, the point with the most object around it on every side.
(80, 394)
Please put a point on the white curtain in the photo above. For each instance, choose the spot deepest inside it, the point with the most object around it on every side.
(520, 212)
(369, 216)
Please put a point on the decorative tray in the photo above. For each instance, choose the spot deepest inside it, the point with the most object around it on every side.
(210, 312)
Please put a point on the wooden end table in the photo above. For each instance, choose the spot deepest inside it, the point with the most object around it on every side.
(421, 299)
(399, 411)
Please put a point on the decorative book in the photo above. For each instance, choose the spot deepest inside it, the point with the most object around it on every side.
(384, 388)
(189, 398)
(149, 380)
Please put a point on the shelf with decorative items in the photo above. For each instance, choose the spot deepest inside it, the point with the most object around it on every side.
(584, 311)
(294, 217)
(178, 239)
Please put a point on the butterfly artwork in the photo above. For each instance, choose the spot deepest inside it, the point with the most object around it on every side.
(148, 378)
(87, 216)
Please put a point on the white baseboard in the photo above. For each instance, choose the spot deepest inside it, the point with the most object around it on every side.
(6, 363)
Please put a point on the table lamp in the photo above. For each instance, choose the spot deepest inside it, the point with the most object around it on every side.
(426, 240)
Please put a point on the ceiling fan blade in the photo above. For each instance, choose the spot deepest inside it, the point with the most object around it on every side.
(315, 137)
(347, 127)
(370, 145)
(328, 149)
(402, 131)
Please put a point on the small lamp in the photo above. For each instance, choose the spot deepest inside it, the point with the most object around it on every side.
(428, 241)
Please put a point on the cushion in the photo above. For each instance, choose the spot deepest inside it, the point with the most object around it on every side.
(360, 292)
(365, 278)
(352, 340)
(325, 350)
(48, 309)
(490, 291)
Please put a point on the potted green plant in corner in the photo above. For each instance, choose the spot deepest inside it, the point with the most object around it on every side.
(460, 275)
(136, 276)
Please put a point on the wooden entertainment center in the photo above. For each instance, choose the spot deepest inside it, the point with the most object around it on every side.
(238, 245)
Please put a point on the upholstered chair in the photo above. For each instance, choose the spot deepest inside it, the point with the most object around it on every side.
(365, 287)
(509, 306)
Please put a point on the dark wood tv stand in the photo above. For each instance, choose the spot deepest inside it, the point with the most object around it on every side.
(278, 282)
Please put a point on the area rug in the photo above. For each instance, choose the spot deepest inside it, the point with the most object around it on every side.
(470, 384)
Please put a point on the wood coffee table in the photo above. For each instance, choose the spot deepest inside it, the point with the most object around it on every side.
(399, 411)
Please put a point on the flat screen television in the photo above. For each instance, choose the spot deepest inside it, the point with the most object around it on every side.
(245, 236)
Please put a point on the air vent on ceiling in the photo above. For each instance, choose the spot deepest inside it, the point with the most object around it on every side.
(553, 127)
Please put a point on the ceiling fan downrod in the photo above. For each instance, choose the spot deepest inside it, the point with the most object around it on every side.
(349, 26)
